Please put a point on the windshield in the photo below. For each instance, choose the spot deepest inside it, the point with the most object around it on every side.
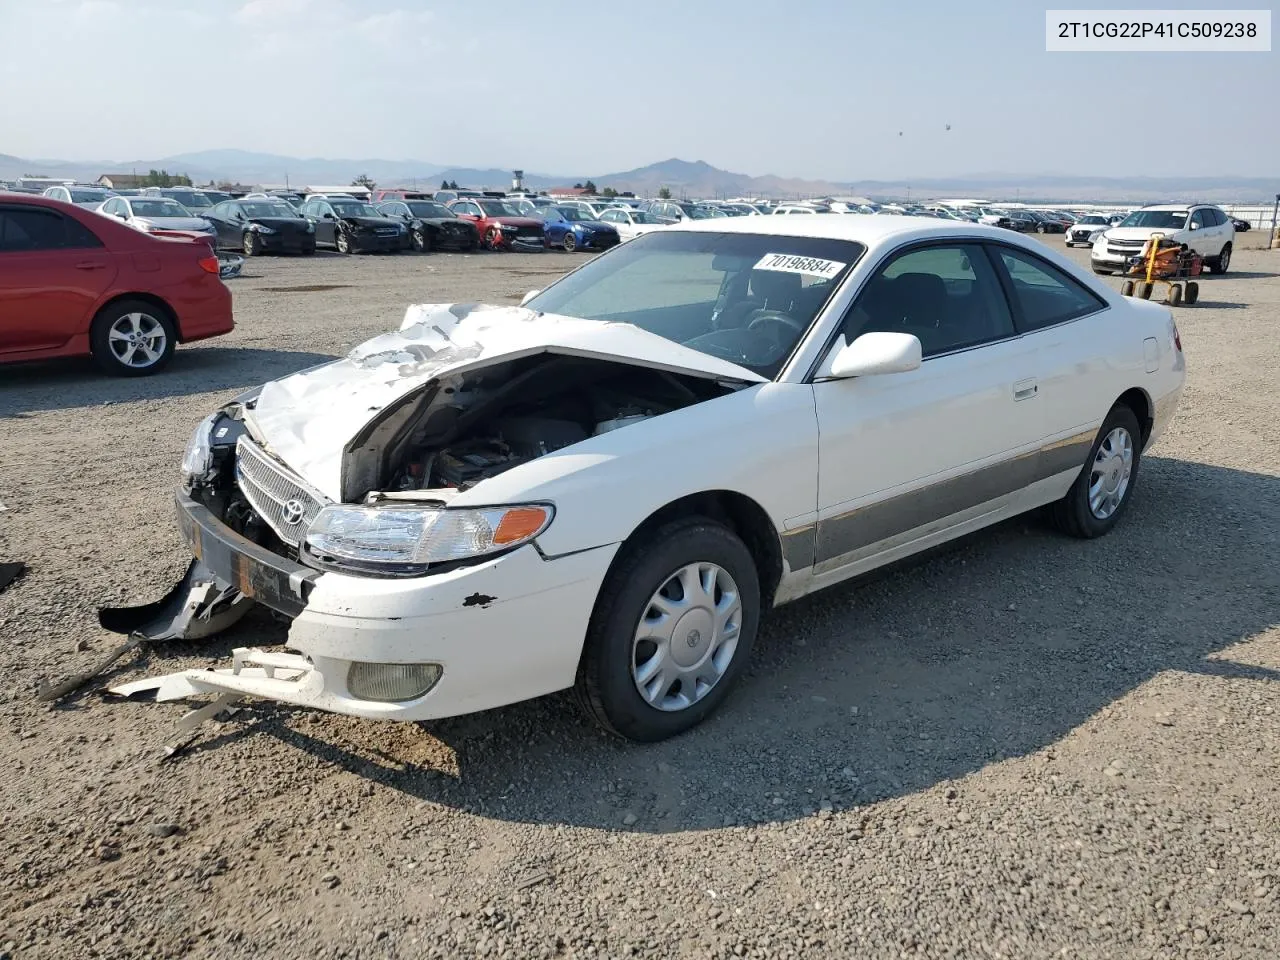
(576, 214)
(497, 208)
(745, 298)
(639, 216)
(1093, 219)
(192, 201)
(524, 207)
(1163, 219)
(89, 196)
(427, 208)
(159, 208)
(698, 213)
(353, 208)
(265, 208)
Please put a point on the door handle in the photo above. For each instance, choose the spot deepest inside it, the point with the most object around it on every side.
(90, 265)
(1025, 389)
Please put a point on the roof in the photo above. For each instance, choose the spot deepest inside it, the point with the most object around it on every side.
(1175, 206)
(868, 229)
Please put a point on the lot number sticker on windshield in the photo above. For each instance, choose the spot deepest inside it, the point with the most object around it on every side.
(809, 266)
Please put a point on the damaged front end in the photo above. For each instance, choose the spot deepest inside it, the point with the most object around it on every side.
(331, 497)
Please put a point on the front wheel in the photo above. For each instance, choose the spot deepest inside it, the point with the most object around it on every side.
(493, 239)
(251, 243)
(132, 338)
(1100, 494)
(671, 630)
(1221, 262)
(419, 241)
(342, 242)
(570, 242)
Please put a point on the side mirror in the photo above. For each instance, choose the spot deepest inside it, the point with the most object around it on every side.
(529, 296)
(877, 353)
(1195, 226)
(328, 216)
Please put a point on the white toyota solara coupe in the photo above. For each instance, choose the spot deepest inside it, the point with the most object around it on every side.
(606, 487)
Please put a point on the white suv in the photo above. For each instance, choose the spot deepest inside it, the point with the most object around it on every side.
(1203, 228)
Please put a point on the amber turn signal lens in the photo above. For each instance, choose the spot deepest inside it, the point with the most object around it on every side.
(519, 523)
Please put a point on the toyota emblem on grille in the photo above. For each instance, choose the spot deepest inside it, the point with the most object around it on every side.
(291, 511)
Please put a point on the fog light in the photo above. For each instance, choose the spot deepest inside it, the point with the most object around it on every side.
(391, 682)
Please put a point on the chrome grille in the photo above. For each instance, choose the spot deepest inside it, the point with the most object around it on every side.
(281, 499)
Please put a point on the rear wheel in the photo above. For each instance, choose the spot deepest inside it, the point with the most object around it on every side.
(132, 338)
(1221, 262)
(671, 630)
(1100, 494)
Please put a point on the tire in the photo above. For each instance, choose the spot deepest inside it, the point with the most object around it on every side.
(1175, 295)
(1074, 514)
(1040, 228)
(1192, 294)
(1221, 262)
(491, 241)
(1126, 289)
(251, 244)
(418, 240)
(132, 322)
(570, 242)
(703, 551)
(342, 242)
(1142, 290)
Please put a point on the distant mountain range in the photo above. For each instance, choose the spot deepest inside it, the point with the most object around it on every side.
(682, 177)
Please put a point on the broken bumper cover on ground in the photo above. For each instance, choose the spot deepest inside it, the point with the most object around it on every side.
(500, 631)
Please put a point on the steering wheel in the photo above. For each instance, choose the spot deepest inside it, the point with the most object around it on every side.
(775, 316)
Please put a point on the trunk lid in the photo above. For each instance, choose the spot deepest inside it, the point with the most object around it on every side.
(309, 418)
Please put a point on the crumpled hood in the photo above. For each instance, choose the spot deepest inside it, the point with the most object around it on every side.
(308, 419)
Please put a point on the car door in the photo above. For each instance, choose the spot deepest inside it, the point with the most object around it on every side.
(53, 273)
(1200, 237)
(222, 216)
(1081, 361)
(469, 211)
(326, 222)
(932, 452)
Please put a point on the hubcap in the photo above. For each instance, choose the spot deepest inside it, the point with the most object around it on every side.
(1225, 259)
(137, 340)
(1109, 476)
(686, 637)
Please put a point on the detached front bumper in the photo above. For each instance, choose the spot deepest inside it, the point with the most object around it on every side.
(501, 631)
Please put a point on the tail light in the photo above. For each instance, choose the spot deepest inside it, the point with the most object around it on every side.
(210, 265)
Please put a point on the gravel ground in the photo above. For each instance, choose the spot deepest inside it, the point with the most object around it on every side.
(1025, 747)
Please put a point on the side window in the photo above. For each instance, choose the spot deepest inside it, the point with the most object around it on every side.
(611, 216)
(1218, 217)
(1199, 219)
(30, 229)
(947, 296)
(1044, 294)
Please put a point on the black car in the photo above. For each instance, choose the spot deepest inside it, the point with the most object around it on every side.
(1240, 225)
(262, 226)
(353, 226)
(432, 226)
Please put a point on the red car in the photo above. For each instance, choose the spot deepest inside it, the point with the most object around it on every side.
(74, 282)
(500, 225)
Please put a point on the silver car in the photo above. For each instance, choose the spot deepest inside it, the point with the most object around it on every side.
(89, 197)
(157, 215)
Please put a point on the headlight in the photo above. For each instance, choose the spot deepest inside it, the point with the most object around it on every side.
(1099, 237)
(197, 460)
(261, 228)
(405, 535)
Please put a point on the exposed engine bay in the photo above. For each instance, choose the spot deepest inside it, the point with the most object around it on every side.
(462, 430)
(485, 423)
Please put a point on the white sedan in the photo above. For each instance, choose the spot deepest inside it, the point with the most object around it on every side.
(157, 215)
(631, 223)
(608, 486)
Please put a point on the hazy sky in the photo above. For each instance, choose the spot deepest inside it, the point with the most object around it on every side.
(802, 88)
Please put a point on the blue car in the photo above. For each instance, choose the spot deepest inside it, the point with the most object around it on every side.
(571, 228)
